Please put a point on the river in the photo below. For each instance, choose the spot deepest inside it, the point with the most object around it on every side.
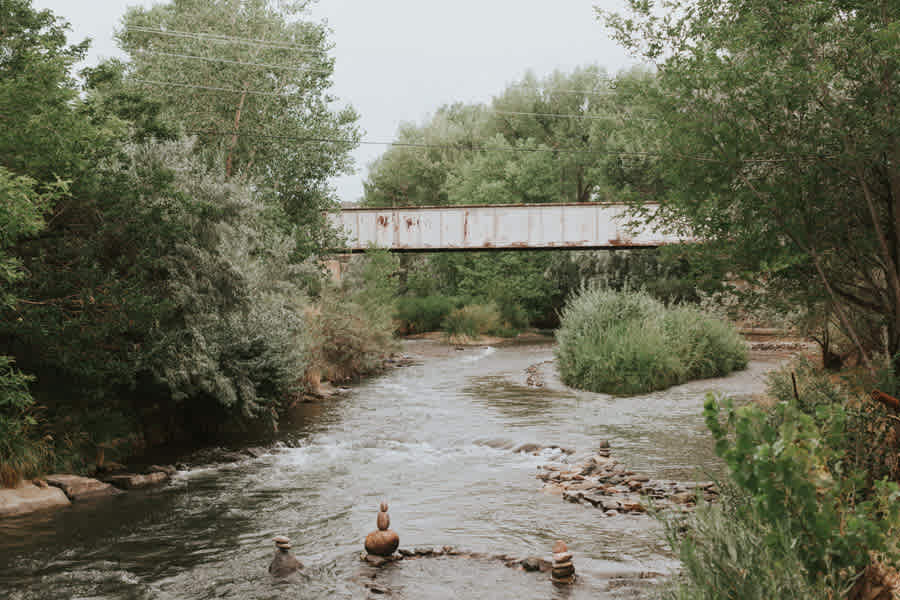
(433, 440)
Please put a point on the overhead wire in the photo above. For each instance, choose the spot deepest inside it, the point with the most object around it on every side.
(487, 110)
(215, 37)
(234, 62)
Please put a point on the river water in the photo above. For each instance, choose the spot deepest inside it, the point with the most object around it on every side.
(435, 441)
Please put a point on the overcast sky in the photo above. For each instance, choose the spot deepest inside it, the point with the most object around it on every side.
(398, 60)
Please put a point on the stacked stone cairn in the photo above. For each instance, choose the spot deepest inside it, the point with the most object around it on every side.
(284, 563)
(563, 571)
(383, 541)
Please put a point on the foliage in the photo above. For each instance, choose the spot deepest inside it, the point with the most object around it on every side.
(473, 321)
(726, 551)
(629, 343)
(793, 467)
(23, 451)
(270, 94)
(419, 314)
(235, 298)
(351, 327)
(775, 139)
(871, 437)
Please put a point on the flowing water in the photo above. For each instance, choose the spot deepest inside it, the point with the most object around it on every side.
(435, 440)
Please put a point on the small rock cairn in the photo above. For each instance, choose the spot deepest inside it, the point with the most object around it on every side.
(383, 541)
(563, 571)
(284, 563)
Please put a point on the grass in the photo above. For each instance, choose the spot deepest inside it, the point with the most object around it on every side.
(628, 343)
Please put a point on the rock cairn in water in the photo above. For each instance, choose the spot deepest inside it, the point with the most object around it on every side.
(284, 563)
(383, 541)
(563, 571)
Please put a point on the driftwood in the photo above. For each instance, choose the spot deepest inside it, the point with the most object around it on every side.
(885, 399)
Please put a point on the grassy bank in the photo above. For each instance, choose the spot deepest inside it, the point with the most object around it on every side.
(630, 343)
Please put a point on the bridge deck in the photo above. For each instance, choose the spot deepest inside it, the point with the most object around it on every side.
(495, 227)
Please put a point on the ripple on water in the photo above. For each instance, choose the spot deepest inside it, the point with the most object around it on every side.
(436, 441)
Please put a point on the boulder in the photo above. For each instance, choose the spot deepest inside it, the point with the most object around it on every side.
(28, 497)
(284, 563)
(131, 480)
(80, 488)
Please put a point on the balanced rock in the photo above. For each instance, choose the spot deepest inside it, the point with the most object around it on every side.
(284, 563)
(383, 541)
(563, 570)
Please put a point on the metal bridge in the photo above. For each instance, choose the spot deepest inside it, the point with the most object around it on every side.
(495, 227)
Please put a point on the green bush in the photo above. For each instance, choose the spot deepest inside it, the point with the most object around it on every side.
(421, 314)
(473, 320)
(803, 485)
(629, 343)
(23, 452)
(727, 552)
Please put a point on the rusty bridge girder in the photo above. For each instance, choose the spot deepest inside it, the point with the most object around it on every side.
(496, 227)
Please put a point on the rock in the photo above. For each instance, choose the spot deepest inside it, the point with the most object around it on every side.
(376, 561)
(284, 563)
(255, 452)
(167, 469)
(406, 553)
(81, 488)
(528, 448)
(384, 541)
(683, 498)
(563, 569)
(39, 482)
(635, 507)
(603, 444)
(535, 563)
(130, 481)
(27, 498)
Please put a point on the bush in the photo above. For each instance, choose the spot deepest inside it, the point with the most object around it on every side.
(23, 452)
(473, 320)
(802, 484)
(351, 329)
(727, 552)
(421, 314)
(629, 343)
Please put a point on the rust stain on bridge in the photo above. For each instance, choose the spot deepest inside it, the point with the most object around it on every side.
(496, 227)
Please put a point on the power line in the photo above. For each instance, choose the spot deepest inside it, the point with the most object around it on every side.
(210, 87)
(221, 38)
(235, 62)
(493, 148)
(416, 145)
(283, 94)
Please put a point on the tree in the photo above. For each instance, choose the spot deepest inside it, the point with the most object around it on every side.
(777, 139)
(250, 78)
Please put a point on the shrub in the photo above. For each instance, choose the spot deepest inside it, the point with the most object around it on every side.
(23, 452)
(421, 314)
(629, 343)
(800, 482)
(472, 320)
(727, 552)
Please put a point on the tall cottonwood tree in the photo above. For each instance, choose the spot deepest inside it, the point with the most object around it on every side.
(250, 78)
(778, 138)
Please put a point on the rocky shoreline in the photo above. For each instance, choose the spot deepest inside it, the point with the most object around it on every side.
(602, 482)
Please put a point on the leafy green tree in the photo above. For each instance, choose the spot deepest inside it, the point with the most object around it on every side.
(777, 139)
(250, 78)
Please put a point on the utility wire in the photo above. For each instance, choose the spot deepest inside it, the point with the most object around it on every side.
(215, 37)
(210, 87)
(487, 110)
(482, 148)
(416, 145)
(235, 62)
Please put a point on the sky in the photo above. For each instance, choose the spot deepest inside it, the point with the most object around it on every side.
(399, 60)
